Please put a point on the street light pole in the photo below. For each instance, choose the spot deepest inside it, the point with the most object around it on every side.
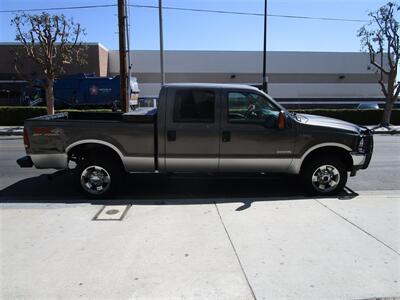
(265, 78)
(160, 20)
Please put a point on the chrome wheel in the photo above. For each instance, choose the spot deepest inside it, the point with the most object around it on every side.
(325, 178)
(95, 180)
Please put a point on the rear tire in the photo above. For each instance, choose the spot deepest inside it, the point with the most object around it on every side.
(324, 176)
(98, 177)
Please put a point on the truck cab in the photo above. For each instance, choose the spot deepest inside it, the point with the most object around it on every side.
(214, 129)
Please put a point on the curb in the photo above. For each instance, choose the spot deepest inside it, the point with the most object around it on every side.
(11, 133)
(393, 132)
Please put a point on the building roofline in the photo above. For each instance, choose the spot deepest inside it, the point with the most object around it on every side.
(210, 51)
(248, 51)
(83, 43)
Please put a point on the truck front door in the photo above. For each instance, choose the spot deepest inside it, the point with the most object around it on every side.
(192, 130)
(250, 138)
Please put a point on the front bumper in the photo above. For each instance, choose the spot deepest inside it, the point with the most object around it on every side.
(361, 160)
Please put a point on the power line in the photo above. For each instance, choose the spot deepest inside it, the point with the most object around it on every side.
(250, 13)
(57, 8)
(188, 9)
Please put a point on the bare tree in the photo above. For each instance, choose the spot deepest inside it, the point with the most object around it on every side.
(380, 37)
(52, 42)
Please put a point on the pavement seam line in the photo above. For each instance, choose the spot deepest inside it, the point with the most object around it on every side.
(234, 250)
(358, 227)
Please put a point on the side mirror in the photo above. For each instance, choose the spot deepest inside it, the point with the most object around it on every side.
(281, 120)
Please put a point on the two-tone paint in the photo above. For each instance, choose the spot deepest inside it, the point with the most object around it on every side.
(196, 147)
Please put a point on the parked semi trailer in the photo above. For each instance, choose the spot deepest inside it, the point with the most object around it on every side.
(70, 91)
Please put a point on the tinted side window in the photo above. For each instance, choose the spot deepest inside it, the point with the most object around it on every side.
(250, 107)
(194, 106)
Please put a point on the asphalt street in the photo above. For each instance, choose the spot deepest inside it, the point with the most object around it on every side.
(200, 236)
(25, 184)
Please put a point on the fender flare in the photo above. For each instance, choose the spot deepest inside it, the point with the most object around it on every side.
(297, 162)
(94, 141)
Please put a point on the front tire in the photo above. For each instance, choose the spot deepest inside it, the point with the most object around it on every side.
(324, 176)
(97, 177)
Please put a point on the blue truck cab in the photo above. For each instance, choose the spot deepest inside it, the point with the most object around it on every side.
(88, 90)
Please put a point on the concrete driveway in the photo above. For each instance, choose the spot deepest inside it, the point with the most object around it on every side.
(251, 248)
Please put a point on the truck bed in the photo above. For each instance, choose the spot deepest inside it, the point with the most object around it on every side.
(132, 135)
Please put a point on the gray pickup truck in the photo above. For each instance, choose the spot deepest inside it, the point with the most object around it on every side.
(199, 128)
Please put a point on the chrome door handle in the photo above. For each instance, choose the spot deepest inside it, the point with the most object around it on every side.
(171, 135)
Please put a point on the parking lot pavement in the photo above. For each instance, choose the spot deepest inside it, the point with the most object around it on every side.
(263, 248)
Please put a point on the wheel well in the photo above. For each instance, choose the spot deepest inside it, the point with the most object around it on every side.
(332, 151)
(82, 151)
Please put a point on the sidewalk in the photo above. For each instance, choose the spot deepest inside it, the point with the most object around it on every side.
(11, 130)
(276, 248)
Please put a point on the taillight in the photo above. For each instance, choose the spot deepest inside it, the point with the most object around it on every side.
(26, 139)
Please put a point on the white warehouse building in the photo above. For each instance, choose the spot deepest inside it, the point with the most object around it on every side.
(291, 75)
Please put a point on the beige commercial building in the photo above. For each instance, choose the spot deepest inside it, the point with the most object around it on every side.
(291, 75)
(300, 75)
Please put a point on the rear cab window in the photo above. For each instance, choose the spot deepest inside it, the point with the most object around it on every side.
(194, 106)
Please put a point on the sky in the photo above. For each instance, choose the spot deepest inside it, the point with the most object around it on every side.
(209, 31)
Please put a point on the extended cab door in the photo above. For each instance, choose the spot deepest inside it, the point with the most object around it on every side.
(250, 138)
(192, 130)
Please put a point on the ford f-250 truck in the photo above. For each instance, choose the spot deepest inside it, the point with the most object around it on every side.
(199, 128)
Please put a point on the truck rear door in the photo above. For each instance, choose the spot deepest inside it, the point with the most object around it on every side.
(192, 130)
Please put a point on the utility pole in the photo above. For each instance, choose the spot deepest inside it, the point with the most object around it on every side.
(265, 78)
(122, 56)
(160, 20)
(128, 31)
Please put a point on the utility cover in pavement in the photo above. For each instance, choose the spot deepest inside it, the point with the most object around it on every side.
(111, 213)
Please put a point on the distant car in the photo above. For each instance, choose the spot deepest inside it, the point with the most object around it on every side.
(147, 102)
(368, 105)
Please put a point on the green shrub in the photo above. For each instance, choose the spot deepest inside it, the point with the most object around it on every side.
(15, 115)
(85, 110)
(361, 117)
